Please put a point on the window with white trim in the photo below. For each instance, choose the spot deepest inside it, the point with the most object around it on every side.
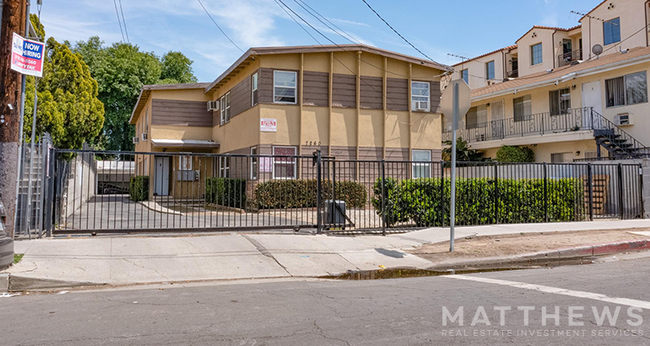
(627, 90)
(254, 87)
(421, 163)
(420, 96)
(612, 31)
(522, 108)
(254, 163)
(464, 74)
(225, 108)
(560, 101)
(536, 56)
(284, 167)
(489, 70)
(224, 167)
(185, 169)
(285, 86)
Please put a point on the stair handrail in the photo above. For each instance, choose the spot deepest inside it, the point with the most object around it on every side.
(599, 122)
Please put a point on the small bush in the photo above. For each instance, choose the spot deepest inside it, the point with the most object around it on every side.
(509, 153)
(139, 188)
(301, 193)
(228, 192)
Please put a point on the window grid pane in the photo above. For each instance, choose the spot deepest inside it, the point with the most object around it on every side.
(536, 54)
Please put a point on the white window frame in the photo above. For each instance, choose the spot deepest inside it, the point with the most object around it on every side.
(612, 24)
(625, 97)
(420, 164)
(254, 88)
(186, 161)
(224, 167)
(462, 72)
(255, 163)
(428, 97)
(224, 108)
(487, 70)
(295, 163)
(295, 87)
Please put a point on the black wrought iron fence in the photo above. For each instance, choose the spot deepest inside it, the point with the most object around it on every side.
(218, 192)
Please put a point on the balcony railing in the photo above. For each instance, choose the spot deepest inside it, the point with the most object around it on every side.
(566, 58)
(577, 119)
(512, 74)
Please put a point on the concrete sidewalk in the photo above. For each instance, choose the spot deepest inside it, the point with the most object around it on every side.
(138, 260)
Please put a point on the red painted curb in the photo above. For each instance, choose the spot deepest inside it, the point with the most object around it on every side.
(607, 249)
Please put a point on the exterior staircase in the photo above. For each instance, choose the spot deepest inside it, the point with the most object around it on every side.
(618, 143)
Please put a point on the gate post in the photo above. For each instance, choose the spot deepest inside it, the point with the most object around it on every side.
(319, 190)
(620, 190)
(545, 192)
(383, 197)
(442, 193)
(496, 192)
(333, 163)
(590, 184)
(641, 206)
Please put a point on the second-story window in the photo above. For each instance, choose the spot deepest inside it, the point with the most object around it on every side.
(225, 108)
(626, 90)
(612, 31)
(489, 70)
(536, 56)
(284, 86)
(522, 107)
(464, 74)
(420, 96)
(254, 82)
(560, 101)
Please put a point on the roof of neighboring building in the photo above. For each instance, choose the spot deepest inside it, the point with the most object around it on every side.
(251, 53)
(146, 91)
(548, 28)
(486, 54)
(634, 55)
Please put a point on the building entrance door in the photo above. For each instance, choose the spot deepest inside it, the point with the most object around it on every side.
(161, 179)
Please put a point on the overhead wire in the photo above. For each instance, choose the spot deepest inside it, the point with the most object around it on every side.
(119, 21)
(124, 21)
(219, 27)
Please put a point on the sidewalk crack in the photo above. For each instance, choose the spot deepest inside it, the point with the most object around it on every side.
(264, 251)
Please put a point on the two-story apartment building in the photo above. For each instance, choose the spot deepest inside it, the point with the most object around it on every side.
(350, 101)
(554, 95)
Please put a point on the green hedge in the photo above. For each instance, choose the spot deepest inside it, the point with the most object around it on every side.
(300, 193)
(139, 188)
(509, 153)
(228, 192)
(519, 201)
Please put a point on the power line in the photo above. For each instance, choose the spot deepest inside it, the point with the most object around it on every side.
(218, 27)
(395, 31)
(346, 36)
(302, 27)
(124, 20)
(119, 21)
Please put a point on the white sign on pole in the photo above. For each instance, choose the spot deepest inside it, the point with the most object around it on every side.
(27, 56)
(268, 125)
(456, 101)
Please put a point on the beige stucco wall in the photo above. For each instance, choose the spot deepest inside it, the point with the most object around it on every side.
(477, 70)
(242, 131)
(633, 15)
(576, 150)
(216, 93)
(524, 44)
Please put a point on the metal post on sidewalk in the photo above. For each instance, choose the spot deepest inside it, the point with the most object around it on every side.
(452, 216)
(319, 189)
(620, 191)
(30, 180)
(590, 184)
(383, 197)
(545, 192)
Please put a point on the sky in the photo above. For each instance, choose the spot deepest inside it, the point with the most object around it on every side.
(463, 27)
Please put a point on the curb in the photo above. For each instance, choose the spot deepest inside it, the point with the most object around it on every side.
(560, 254)
(4, 282)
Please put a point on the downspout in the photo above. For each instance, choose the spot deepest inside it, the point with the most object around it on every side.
(645, 12)
(554, 55)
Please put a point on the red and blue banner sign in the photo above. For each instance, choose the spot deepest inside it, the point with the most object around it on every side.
(27, 56)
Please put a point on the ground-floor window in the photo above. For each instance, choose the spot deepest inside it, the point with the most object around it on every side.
(561, 157)
(421, 163)
(254, 163)
(284, 167)
(185, 168)
(224, 167)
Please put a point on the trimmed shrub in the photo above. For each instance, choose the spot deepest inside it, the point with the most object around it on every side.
(518, 201)
(139, 188)
(509, 153)
(228, 192)
(301, 193)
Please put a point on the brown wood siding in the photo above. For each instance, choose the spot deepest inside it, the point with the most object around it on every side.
(397, 97)
(240, 97)
(371, 153)
(436, 93)
(265, 85)
(344, 91)
(315, 88)
(180, 113)
(372, 89)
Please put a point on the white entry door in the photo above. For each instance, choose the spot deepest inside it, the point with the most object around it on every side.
(591, 96)
(161, 179)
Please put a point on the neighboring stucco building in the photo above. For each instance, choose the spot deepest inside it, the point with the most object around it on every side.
(549, 92)
(292, 101)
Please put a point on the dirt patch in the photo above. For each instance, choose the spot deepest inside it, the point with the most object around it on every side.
(515, 244)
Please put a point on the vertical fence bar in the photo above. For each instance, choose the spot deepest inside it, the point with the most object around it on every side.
(641, 206)
(545, 192)
(319, 187)
(383, 197)
(620, 190)
(442, 193)
(590, 186)
(496, 192)
(331, 214)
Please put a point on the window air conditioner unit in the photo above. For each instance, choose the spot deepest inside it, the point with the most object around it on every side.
(135, 140)
(622, 119)
(144, 137)
(213, 106)
(421, 105)
(480, 138)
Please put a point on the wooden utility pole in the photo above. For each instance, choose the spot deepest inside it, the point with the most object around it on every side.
(13, 21)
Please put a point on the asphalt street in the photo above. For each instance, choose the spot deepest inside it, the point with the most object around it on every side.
(596, 304)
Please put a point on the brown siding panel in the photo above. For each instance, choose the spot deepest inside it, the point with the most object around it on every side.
(180, 113)
(315, 88)
(372, 89)
(265, 84)
(397, 94)
(344, 91)
(240, 97)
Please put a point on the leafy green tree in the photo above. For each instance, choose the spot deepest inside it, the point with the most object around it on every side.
(121, 70)
(463, 152)
(68, 107)
(509, 153)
